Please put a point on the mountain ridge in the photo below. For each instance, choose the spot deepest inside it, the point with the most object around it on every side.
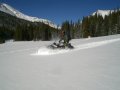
(12, 11)
(102, 13)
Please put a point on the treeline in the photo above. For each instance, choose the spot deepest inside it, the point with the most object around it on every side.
(22, 30)
(36, 32)
(71, 29)
(95, 26)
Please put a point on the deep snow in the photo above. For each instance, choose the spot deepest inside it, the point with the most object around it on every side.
(94, 64)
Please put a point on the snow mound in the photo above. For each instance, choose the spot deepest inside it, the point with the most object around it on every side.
(46, 51)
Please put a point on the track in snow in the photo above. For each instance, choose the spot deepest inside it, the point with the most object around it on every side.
(46, 51)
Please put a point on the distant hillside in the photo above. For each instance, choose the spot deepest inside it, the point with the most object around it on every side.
(12, 27)
(100, 23)
(12, 11)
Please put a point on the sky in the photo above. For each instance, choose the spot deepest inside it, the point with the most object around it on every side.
(59, 11)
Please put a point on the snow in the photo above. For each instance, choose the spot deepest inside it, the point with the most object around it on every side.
(103, 13)
(47, 51)
(10, 10)
(94, 64)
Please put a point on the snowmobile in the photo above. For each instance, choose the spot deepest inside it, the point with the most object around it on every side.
(61, 45)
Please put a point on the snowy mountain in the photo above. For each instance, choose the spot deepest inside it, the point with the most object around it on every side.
(10, 10)
(102, 12)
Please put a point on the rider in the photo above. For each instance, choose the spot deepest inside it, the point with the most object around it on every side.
(64, 37)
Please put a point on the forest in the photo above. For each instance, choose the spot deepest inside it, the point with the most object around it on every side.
(90, 26)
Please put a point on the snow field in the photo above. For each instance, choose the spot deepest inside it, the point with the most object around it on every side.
(94, 64)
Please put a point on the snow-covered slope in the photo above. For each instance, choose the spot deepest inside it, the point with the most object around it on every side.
(103, 12)
(93, 65)
(10, 10)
